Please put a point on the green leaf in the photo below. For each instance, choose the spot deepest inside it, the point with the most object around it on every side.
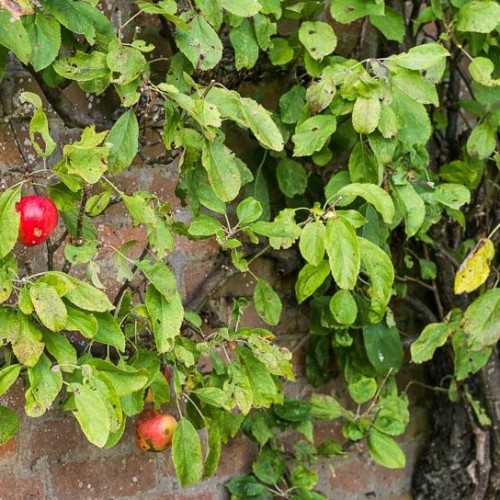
(408, 112)
(374, 195)
(242, 8)
(61, 348)
(27, 345)
(378, 265)
(482, 141)
(45, 39)
(421, 57)
(109, 331)
(199, 42)
(212, 396)
(222, 169)
(186, 453)
(412, 208)
(89, 298)
(91, 413)
(302, 477)
(343, 252)
(310, 278)
(214, 451)
(9, 219)
(320, 93)
(383, 347)
(44, 386)
(343, 307)
(269, 466)
(433, 336)
(264, 30)
(346, 11)
(479, 16)
(238, 387)
(312, 242)
(161, 277)
(9, 424)
(292, 103)
(385, 450)
(263, 387)
(292, 177)
(8, 376)
(415, 86)
(312, 134)
(366, 114)
(71, 16)
(124, 137)
(81, 321)
(83, 67)
(248, 487)
(452, 195)
(325, 407)
(391, 24)
(481, 69)
(166, 317)
(248, 211)
(14, 37)
(40, 137)
(49, 306)
(246, 48)
(362, 389)
(267, 303)
(318, 38)
(259, 120)
(481, 321)
(204, 225)
(280, 52)
(388, 123)
(85, 158)
(364, 166)
(126, 63)
(467, 362)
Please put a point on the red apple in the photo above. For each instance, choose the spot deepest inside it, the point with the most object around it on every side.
(38, 219)
(154, 430)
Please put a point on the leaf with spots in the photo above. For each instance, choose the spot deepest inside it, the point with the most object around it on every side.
(199, 42)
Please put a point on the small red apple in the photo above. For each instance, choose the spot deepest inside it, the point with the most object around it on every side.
(154, 430)
(38, 219)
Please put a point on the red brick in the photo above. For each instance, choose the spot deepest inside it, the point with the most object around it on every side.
(194, 275)
(19, 488)
(111, 477)
(193, 496)
(8, 449)
(201, 249)
(55, 439)
(237, 457)
(14, 397)
(9, 153)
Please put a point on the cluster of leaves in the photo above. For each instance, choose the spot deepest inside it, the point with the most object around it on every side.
(346, 165)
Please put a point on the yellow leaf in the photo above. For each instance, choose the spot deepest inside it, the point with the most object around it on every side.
(475, 269)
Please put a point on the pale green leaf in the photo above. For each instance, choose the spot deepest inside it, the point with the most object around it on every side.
(186, 453)
(124, 137)
(318, 38)
(310, 278)
(9, 219)
(343, 252)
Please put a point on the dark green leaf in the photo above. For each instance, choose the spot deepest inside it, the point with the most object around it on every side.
(383, 347)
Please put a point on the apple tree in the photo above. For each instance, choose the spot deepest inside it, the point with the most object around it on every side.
(376, 163)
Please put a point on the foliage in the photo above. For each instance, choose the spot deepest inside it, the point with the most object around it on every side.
(359, 167)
